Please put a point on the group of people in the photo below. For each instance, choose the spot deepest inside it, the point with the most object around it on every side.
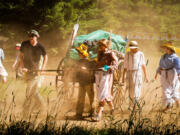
(134, 66)
(30, 57)
(107, 62)
(100, 72)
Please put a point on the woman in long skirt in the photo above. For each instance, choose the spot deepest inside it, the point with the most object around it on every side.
(169, 69)
(104, 79)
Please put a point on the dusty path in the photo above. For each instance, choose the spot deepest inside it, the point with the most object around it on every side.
(150, 96)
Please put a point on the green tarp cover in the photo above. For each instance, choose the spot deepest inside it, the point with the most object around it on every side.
(118, 43)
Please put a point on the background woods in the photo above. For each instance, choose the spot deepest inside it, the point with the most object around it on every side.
(55, 19)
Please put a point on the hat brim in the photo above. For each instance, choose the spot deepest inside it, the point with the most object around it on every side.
(175, 49)
(133, 47)
(33, 35)
(172, 48)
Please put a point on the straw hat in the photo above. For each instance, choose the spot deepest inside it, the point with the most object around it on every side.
(133, 45)
(83, 50)
(171, 46)
(103, 42)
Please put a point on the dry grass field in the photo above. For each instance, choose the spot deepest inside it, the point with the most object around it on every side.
(60, 108)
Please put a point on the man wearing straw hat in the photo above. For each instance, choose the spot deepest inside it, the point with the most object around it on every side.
(134, 63)
(169, 69)
(85, 77)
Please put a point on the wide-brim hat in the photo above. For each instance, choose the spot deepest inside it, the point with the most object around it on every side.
(83, 50)
(103, 42)
(172, 47)
(133, 45)
(33, 32)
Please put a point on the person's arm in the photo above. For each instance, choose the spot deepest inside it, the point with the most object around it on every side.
(15, 62)
(142, 59)
(114, 63)
(123, 75)
(177, 66)
(2, 55)
(144, 70)
(45, 59)
(21, 55)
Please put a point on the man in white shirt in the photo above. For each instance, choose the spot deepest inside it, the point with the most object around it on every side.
(134, 63)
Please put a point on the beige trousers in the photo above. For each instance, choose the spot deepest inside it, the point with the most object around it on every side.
(33, 98)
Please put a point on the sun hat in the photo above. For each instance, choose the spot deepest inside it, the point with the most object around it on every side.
(33, 32)
(171, 46)
(83, 50)
(103, 42)
(133, 44)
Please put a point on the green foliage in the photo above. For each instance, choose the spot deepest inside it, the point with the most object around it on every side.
(141, 15)
(45, 15)
(60, 15)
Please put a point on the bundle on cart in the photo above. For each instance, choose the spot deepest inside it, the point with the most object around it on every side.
(90, 40)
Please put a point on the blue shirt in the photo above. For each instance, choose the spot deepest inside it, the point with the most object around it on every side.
(168, 62)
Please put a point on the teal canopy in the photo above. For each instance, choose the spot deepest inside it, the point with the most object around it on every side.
(118, 43)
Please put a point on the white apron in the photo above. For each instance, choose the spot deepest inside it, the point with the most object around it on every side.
(134, 83)
(170, 86)
(104, 82)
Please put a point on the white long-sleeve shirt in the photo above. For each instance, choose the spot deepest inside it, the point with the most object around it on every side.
(134, 61)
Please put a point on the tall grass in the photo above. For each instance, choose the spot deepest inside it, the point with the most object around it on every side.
(132, 125)
(135, 122)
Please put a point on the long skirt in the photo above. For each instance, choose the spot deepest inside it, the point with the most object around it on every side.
(104, 81)
(170, 86)
(133, 84)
